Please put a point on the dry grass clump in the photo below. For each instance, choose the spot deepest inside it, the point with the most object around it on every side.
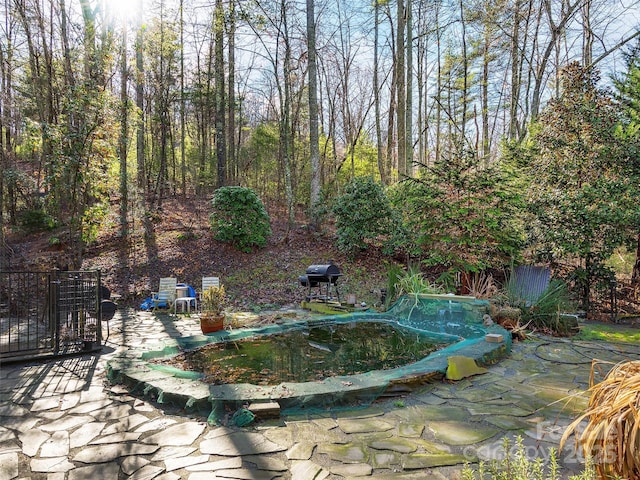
(482, 285)
(611, 436)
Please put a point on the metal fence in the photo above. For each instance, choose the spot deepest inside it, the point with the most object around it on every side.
(49, 313)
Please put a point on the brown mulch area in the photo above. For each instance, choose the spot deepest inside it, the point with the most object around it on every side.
(181, 245)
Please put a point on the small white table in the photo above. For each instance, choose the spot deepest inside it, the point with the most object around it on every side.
(184, 301)
(183, 298)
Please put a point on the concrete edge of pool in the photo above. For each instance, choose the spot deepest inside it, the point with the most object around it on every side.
(184, 390)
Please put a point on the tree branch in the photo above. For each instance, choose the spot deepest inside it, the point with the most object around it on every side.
(618, 45)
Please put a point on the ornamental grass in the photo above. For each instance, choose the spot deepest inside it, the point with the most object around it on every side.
(611, 437)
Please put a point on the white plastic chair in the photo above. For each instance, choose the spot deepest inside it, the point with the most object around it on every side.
(208, 282)
(166, 294)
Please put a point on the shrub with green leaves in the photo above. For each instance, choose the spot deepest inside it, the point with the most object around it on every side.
(583, 177)
(36, 220)
(238, 217)
(548, 311)
(460, 214)
(363, 216)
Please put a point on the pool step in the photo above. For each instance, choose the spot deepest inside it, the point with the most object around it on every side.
(264, 410)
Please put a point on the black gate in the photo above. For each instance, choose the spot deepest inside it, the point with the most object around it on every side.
(49, 313)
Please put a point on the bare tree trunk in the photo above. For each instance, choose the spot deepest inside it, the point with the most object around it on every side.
(286, 119)
(555, 30)
(183, 134)
(391, 138)
(140, 143)
(90, 61)
(409, 104)
(484, 87)
(6, 125)
(3, 168)
(421, 65)
(124, 135)
(401, 90)
(465, 76)
(231, 96)
(163, 119)
(68, 70)
(438, 149)
(515, 71)
(587, 38)
(376, 93)
(4, 147)
(221, 150)
(314, 146)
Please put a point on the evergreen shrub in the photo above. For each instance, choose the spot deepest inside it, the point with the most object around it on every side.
(363, 216)
(239, 217)
(36, 220)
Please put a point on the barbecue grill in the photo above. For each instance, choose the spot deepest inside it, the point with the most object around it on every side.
(324, 279)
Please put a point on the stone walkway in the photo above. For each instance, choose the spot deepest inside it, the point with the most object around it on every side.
(61, 419)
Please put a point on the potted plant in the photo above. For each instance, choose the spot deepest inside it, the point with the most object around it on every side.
(213, 301)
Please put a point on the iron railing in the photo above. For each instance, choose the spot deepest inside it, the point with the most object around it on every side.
(49, 313)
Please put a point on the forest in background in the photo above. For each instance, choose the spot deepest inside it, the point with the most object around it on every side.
(472, 134)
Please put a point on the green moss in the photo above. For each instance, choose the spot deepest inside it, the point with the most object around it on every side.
(609, 333)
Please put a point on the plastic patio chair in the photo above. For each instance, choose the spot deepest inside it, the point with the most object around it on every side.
(166, 294)
(211, 282)
(208, 282)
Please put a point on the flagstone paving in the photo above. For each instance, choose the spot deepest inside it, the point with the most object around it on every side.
(62, 420)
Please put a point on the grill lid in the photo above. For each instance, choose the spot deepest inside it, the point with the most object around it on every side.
(327, 271)
(317, 274)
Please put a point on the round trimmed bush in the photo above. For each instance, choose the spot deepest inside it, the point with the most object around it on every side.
(239, 218)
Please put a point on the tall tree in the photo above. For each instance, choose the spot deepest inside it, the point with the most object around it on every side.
(408, 123)
(124, 136)
(464, 100)
(628, 95)
(220, 94)
(7, 127)
(162, 94)
(314, 145)
(382, 164)
(286, 132)
(231, 93)
(140, 123)
(556, 29)
(582, 201)
(183, 131)
(587, 37)
(401, 92)
(516, 70)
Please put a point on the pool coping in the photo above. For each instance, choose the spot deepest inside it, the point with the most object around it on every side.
(168, 385)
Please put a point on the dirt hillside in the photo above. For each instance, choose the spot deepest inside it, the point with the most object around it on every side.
(182, 246)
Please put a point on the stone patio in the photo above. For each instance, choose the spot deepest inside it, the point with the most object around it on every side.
(62, 419)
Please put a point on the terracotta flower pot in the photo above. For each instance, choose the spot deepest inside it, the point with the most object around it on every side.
(211, 322)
